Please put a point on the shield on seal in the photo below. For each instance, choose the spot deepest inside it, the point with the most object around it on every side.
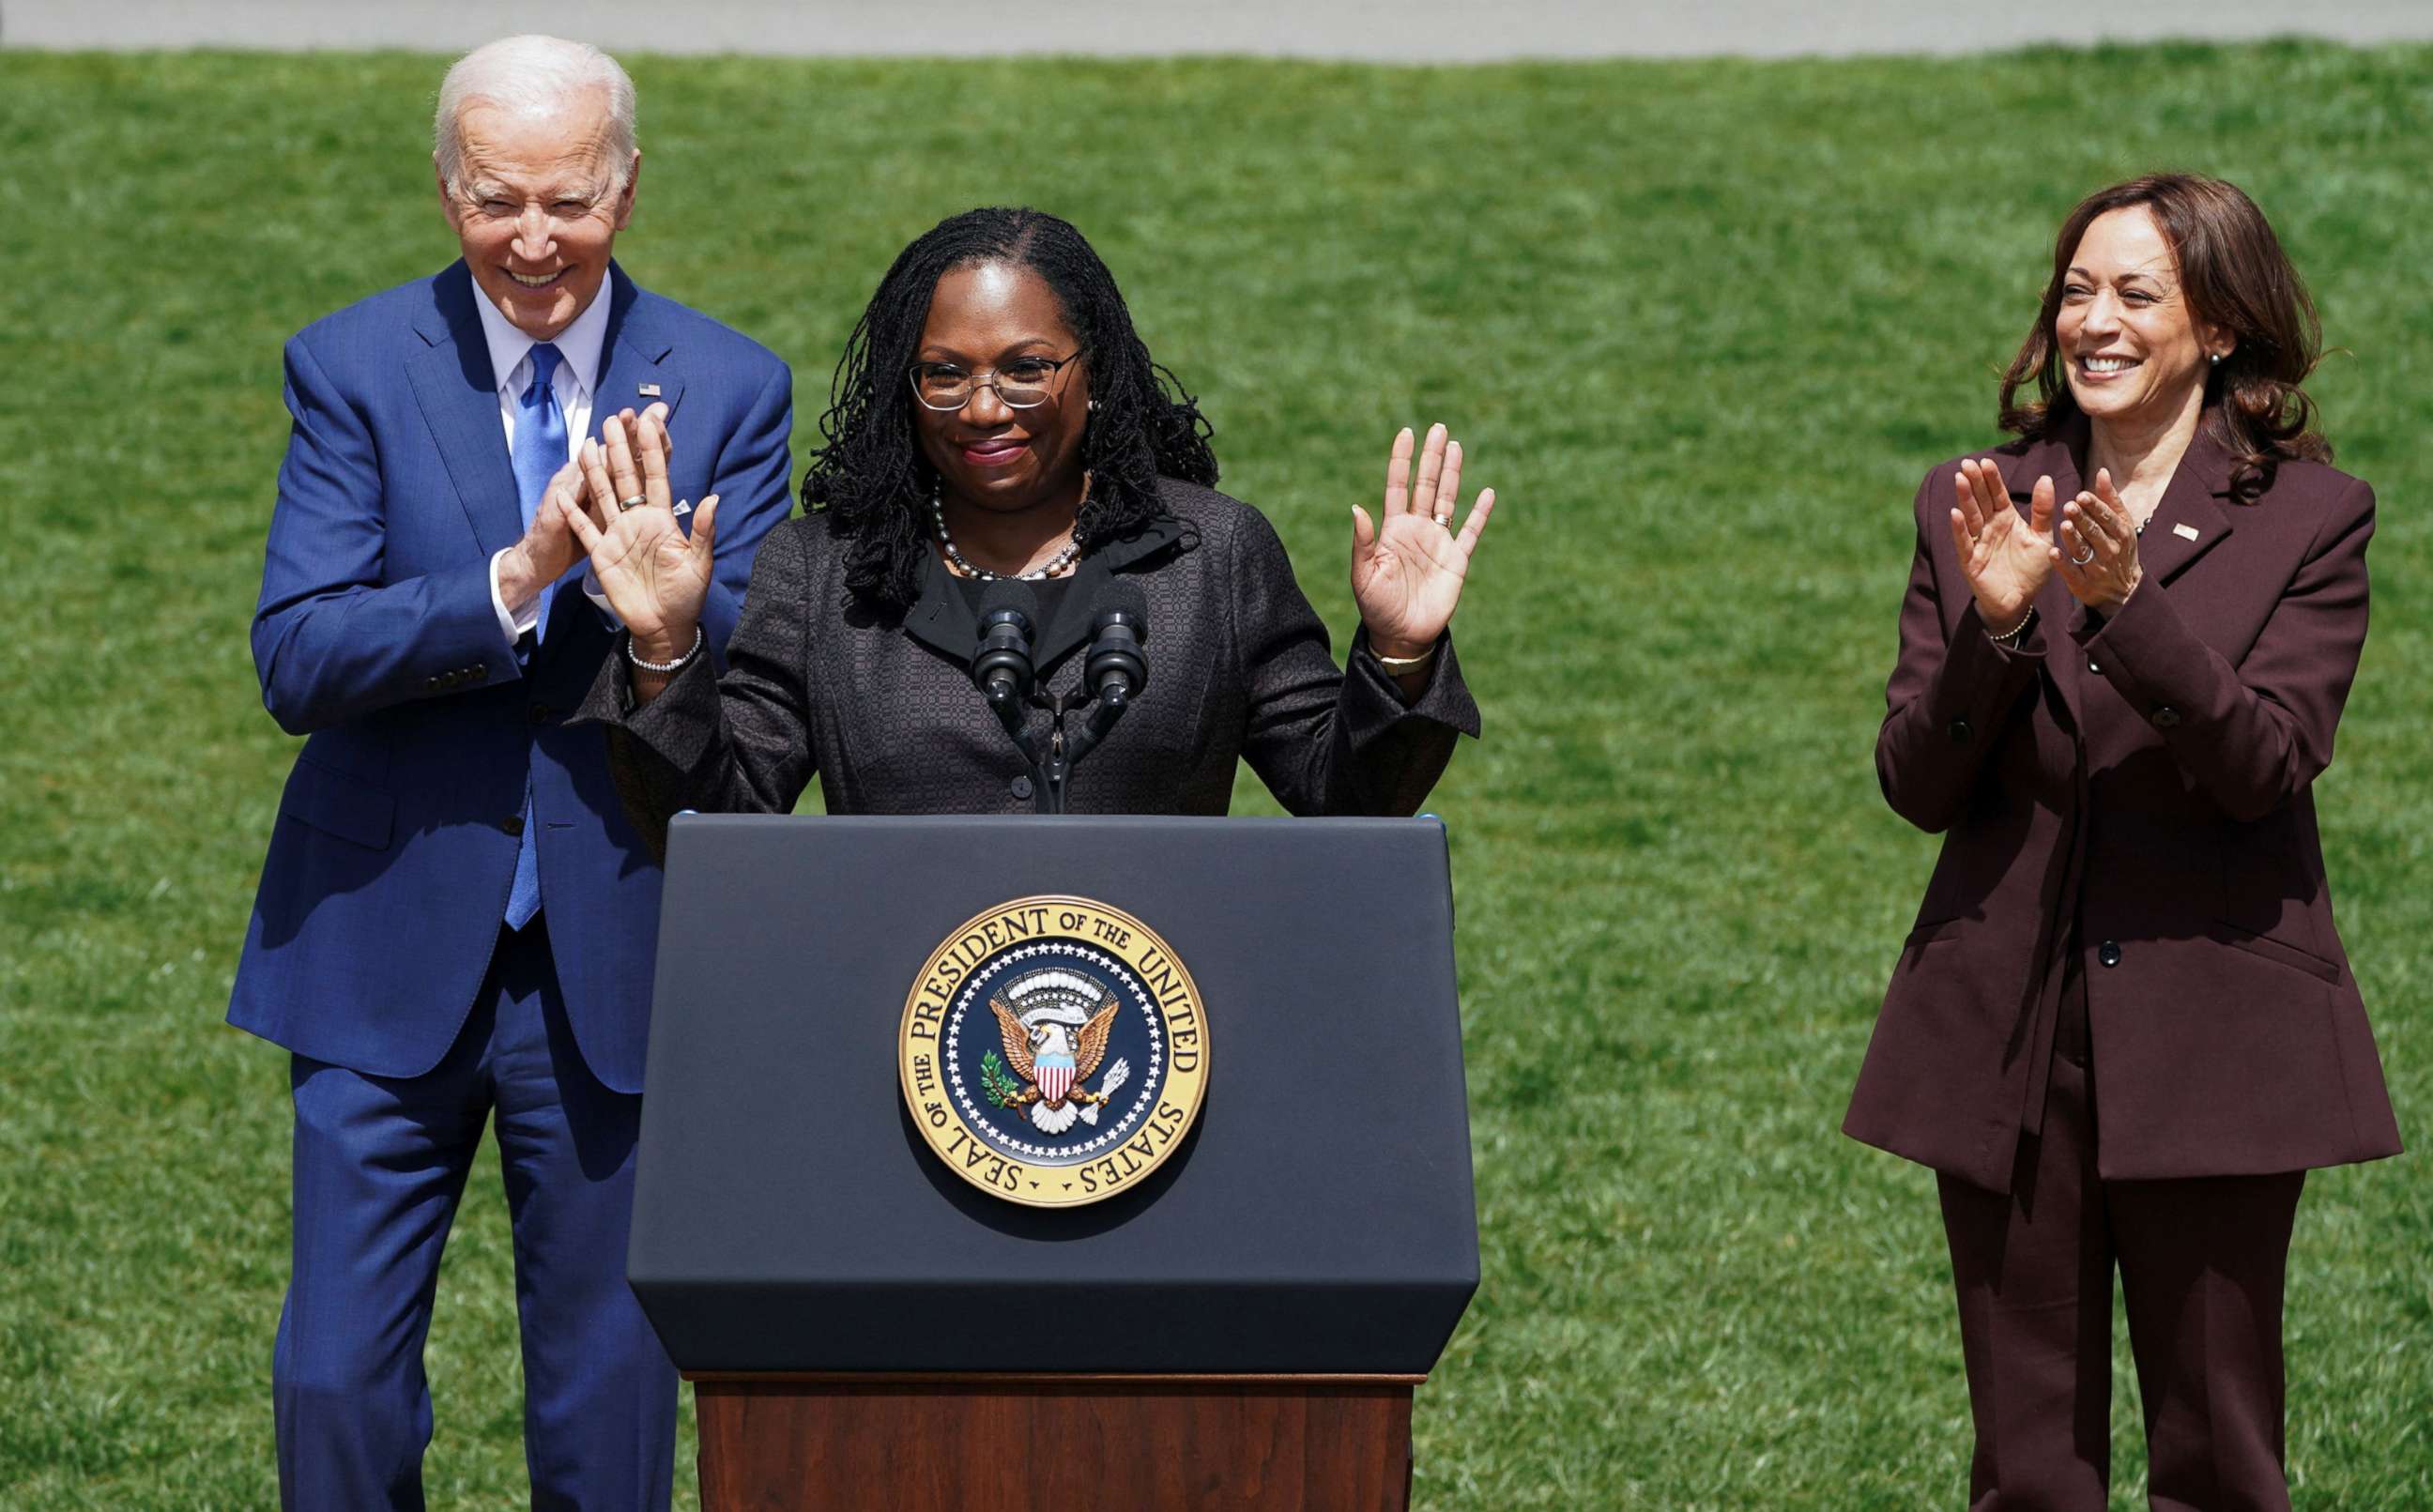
(1055, 1077)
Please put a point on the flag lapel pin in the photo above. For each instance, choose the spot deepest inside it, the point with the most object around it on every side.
(650, 391)
(2185, 533)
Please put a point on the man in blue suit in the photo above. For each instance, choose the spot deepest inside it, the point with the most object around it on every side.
(455, 921)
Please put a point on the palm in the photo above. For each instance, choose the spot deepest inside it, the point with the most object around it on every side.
(2009, 558)
(2006, 559)
(652, 572)
(1408, 567)
(1408, 584)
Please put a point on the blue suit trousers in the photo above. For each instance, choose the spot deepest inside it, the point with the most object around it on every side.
(380, 1164)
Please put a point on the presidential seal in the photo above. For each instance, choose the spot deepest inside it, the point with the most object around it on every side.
(1053, 1051)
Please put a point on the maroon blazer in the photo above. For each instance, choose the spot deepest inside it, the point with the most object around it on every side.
(2149, 775)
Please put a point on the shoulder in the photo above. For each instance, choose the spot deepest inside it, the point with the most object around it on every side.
(2309, 509)
(371, 328)
(2318, 486)
(700, 335)
(803, 552)
(1223, 523)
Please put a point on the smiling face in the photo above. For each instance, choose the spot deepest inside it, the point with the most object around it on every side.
(2134, 351)
(989, 454)
(537, 207)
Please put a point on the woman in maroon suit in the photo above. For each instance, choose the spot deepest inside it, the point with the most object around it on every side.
(2123, 1028)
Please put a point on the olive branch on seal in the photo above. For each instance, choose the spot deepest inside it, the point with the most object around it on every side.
(1000, 1084)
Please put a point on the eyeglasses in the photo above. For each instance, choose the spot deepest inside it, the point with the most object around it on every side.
(1020, 385)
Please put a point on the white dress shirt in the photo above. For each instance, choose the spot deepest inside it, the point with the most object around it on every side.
(579, 347)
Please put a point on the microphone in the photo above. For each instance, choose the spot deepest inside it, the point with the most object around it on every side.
(1008, 618)
(1115, 668)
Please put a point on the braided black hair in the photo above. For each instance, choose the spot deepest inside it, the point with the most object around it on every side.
(870, 475)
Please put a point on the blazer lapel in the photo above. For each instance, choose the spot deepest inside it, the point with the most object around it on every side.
(459, 399)
(2189, 521)
(638, 366)
(940, 620)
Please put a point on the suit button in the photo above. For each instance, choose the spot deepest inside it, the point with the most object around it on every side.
(1022, 786)
(514, 825)
(2108, 952)
(543, 714)
(480, 669)
(1959, 731)
(2092, 667)
(2165, 716)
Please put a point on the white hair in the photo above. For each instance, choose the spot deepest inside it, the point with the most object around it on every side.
(533, 75)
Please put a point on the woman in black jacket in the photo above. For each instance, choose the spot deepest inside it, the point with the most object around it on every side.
(996, 416)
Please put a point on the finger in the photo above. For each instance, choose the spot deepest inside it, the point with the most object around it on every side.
(2104, 491)
(1475, 526)
(651, 445)
(2040, 507)
(2085, 516)
(1995, 494)
(577, 521)
(595, 476)
(1963, 492)
(2065, 569)
(1963, 545)
(567, 485)
(1423, 488)
(704, 527)
(1398, 476)
(623, 471)
(1364, 534)
(1448, 494)
(2081, 551)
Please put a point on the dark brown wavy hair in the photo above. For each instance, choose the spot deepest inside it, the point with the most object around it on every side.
(2233, 274)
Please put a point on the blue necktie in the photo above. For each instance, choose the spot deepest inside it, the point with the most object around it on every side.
(540, 452)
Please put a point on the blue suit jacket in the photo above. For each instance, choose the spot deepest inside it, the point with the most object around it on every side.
(397, 836)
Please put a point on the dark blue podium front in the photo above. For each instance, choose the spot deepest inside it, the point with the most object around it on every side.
(1318, 1218)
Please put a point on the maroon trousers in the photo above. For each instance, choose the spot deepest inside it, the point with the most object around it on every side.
(2202, 1263)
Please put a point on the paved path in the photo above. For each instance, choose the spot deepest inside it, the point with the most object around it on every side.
(1405, 31)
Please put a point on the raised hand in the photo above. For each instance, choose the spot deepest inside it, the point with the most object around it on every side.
(653, 574)
(2006, 559)
(1407, 566)
(2097, 555)
(547, 549)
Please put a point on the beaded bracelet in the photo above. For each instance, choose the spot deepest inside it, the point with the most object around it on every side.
(665, 666)
(2011, 637)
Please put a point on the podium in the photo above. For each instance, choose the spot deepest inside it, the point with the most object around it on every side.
(1239, 1325)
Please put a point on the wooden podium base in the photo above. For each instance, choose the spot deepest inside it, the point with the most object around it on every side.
(1015, 1443)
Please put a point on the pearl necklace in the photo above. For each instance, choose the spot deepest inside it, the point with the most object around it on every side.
(1055, 563)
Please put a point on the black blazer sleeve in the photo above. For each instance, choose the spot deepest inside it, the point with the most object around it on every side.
(1952, 689)
(1327, 741)
(736, 744)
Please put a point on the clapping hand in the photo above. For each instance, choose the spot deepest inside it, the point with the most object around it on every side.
(654, 575)
(2006, 559)
(2097, 555)
(1407, 566)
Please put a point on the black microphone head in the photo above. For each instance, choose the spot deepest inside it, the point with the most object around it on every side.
(1122, 602)
(1001, 658)
(1010, 593)
(1114, 667)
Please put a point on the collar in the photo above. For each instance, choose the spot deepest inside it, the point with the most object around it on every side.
(943, 622)
(580, 344)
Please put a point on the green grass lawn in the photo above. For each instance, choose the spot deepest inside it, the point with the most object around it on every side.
(1702, 325)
